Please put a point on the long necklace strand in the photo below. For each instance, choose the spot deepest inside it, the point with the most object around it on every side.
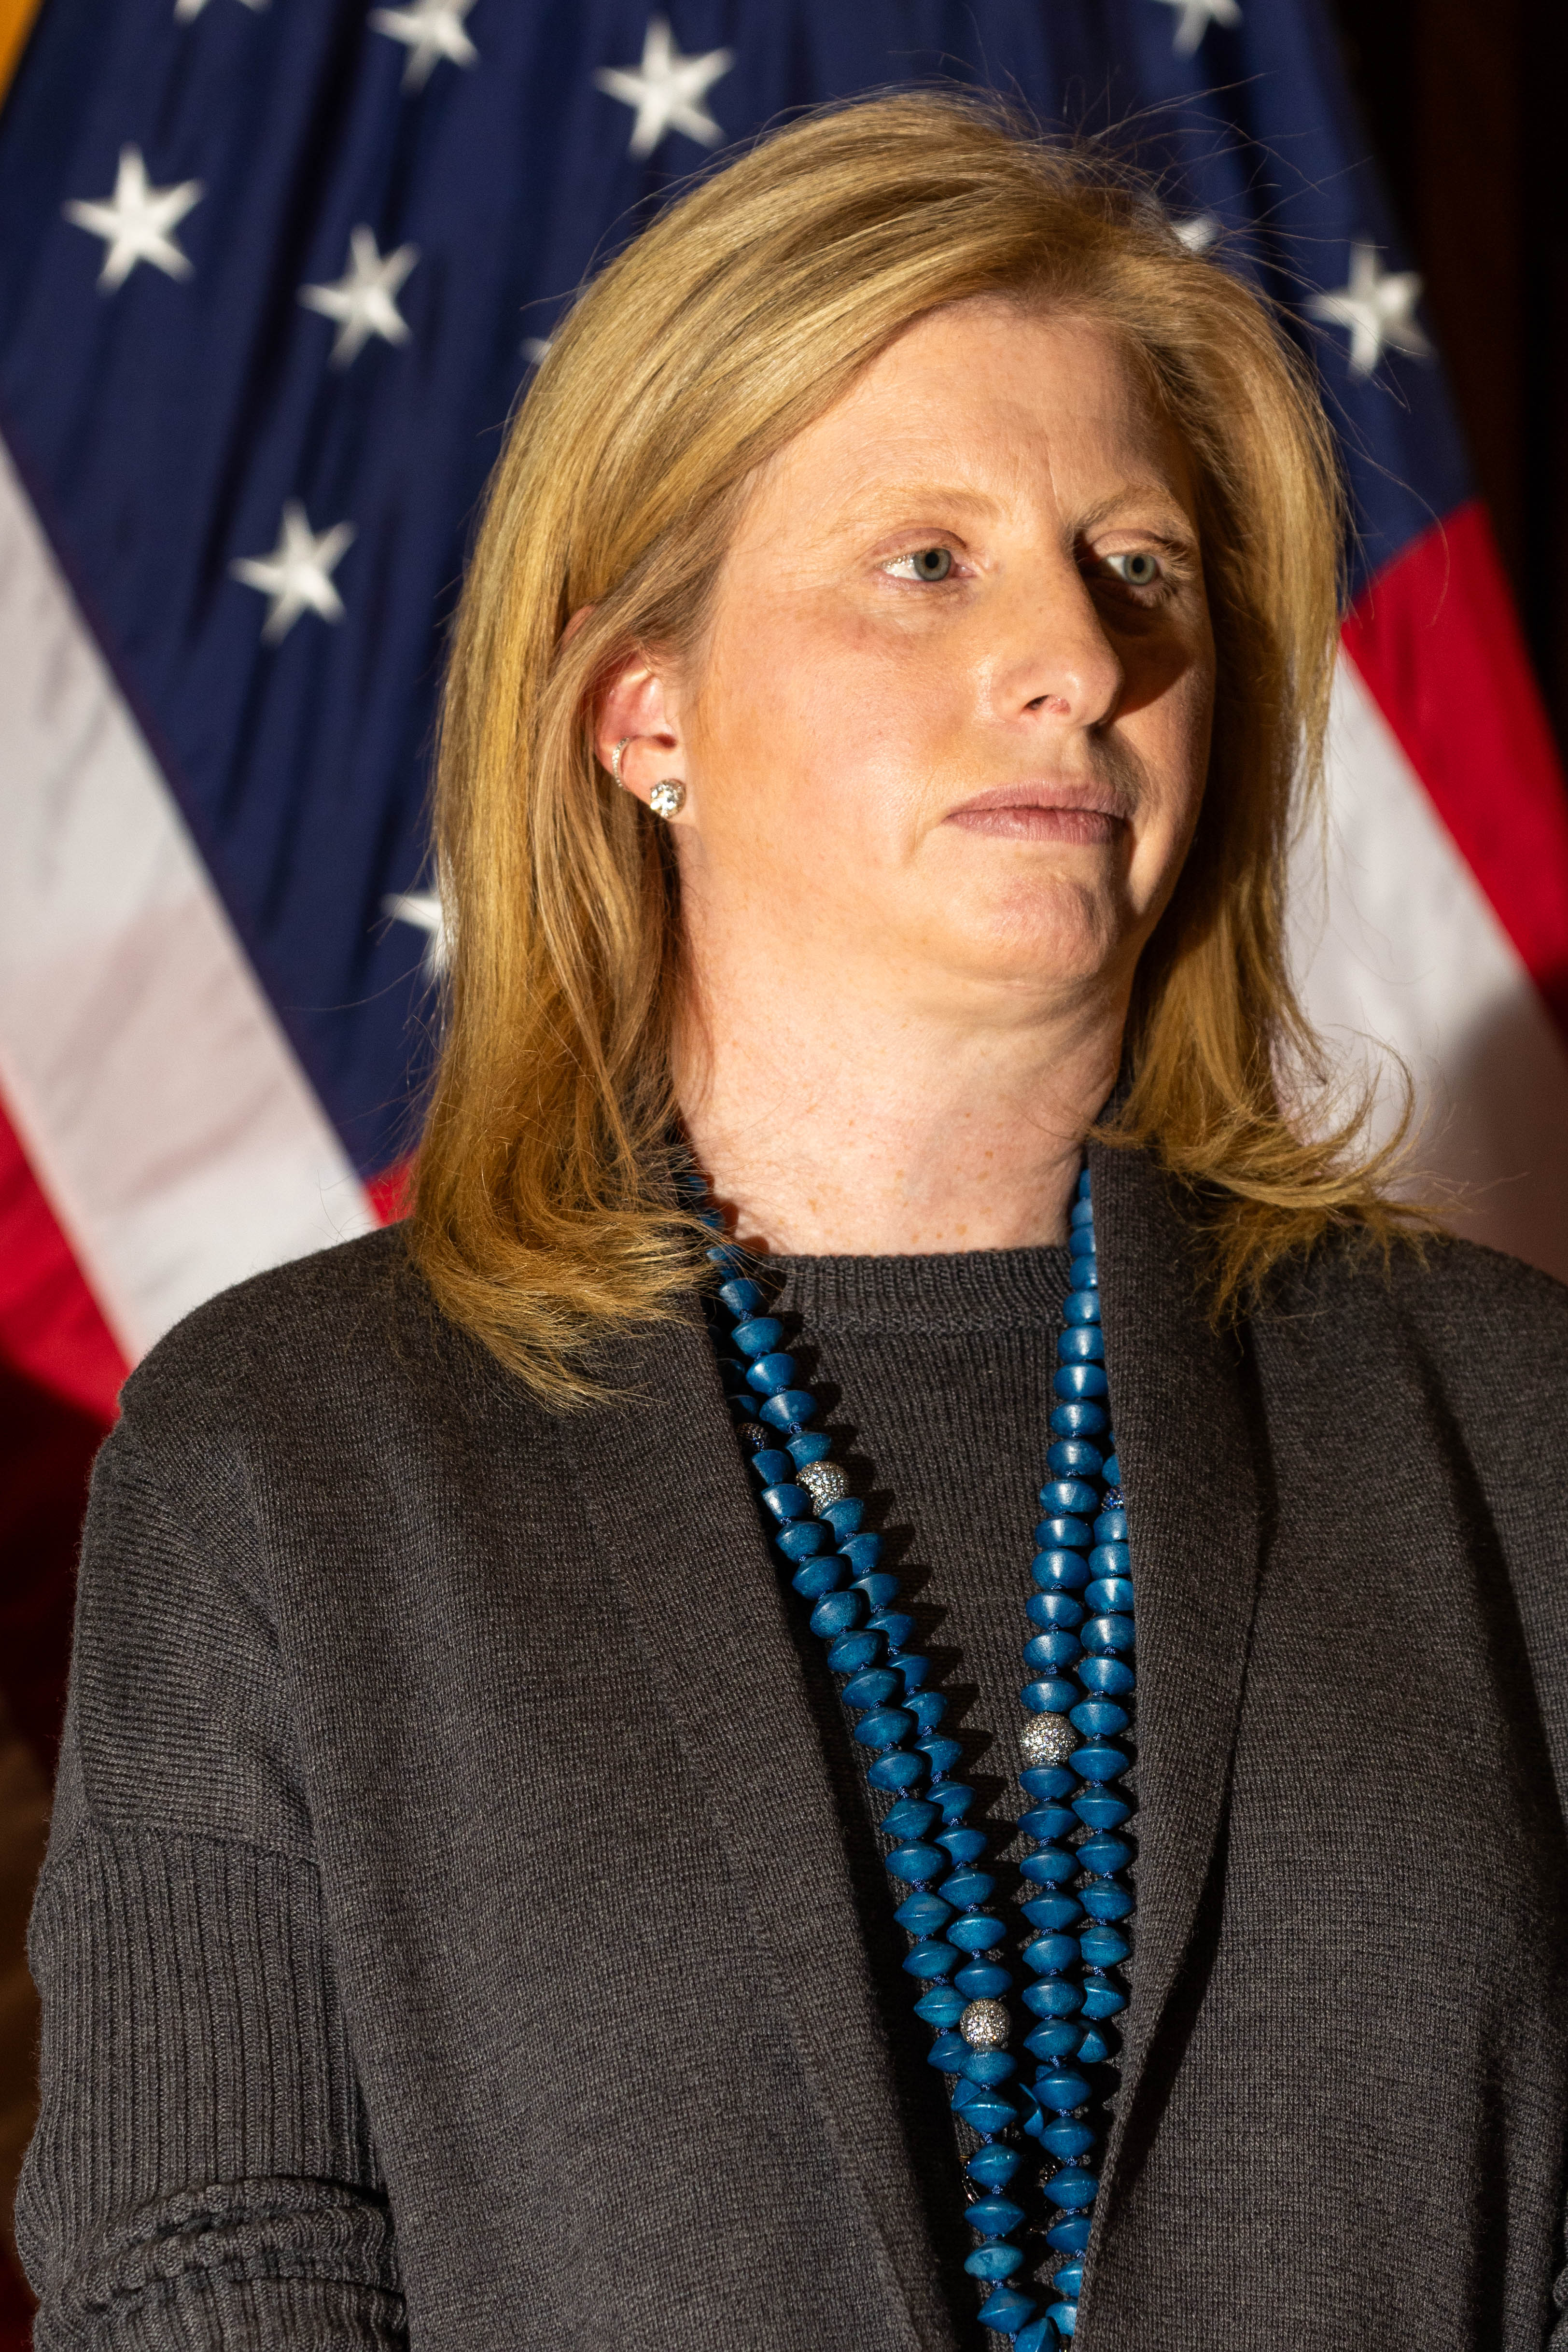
(1078, 1702)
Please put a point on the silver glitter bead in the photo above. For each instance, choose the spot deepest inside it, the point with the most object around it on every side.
(1048, 1739)
(824, 1482)
(983, 2025)
(668, 797)
(754, 1434)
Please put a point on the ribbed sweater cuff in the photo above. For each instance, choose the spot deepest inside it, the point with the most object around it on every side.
(208, 2312)
(202, 2174)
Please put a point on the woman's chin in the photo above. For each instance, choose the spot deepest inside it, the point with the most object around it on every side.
(1041, 974)
(1062, 937)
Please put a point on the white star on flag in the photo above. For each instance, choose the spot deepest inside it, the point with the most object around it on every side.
(364, 300)
(136, 223)
(1198, 232)
(1378, 306)
(184, 10)
(423, 910)
(1197, 15)
(667, 90)
(298, 575)
(432, 29)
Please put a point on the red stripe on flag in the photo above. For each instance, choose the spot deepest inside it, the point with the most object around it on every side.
(51, 1326)
(1436, 637)
(391, 1193)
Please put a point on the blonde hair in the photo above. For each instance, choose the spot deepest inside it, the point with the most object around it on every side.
(543, 1212)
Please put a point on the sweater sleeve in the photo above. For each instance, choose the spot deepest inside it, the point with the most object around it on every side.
(203, 2173)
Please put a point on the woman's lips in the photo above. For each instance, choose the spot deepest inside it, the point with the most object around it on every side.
(1031, 821)
(1045, 811)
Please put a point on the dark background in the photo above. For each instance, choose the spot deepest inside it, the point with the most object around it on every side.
(1462, 103)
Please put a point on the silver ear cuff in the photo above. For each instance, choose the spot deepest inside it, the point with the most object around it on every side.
(666, 796)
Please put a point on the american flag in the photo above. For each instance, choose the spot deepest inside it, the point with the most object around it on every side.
(273, 274)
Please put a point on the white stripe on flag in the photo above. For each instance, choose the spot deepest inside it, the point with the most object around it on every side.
(163, 1109)
(1401, 945)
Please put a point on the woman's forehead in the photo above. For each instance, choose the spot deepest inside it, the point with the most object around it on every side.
(983, 406)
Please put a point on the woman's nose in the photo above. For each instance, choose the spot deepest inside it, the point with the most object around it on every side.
(1061, 661)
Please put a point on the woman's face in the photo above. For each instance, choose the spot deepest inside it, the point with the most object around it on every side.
(952, 721)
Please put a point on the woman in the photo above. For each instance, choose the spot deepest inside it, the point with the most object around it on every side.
(494, 1883)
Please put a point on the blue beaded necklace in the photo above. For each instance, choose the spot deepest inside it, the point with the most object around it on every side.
(1076, 1701)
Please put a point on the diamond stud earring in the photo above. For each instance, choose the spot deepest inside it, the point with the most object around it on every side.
(667, 796)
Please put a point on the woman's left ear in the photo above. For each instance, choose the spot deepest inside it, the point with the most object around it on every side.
(637, 736)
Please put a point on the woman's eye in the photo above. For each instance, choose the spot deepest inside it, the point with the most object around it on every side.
(925, 563)
(1138, 569)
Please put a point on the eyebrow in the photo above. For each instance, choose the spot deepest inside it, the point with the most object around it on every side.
(918, 493)
(1159, 494)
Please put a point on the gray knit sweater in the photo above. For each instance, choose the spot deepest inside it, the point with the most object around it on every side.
(460, 1928)
(937, 1371)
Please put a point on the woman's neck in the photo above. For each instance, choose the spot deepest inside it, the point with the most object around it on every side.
(855, 1132)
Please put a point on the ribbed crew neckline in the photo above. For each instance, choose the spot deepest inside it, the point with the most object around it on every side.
(962, 1290)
